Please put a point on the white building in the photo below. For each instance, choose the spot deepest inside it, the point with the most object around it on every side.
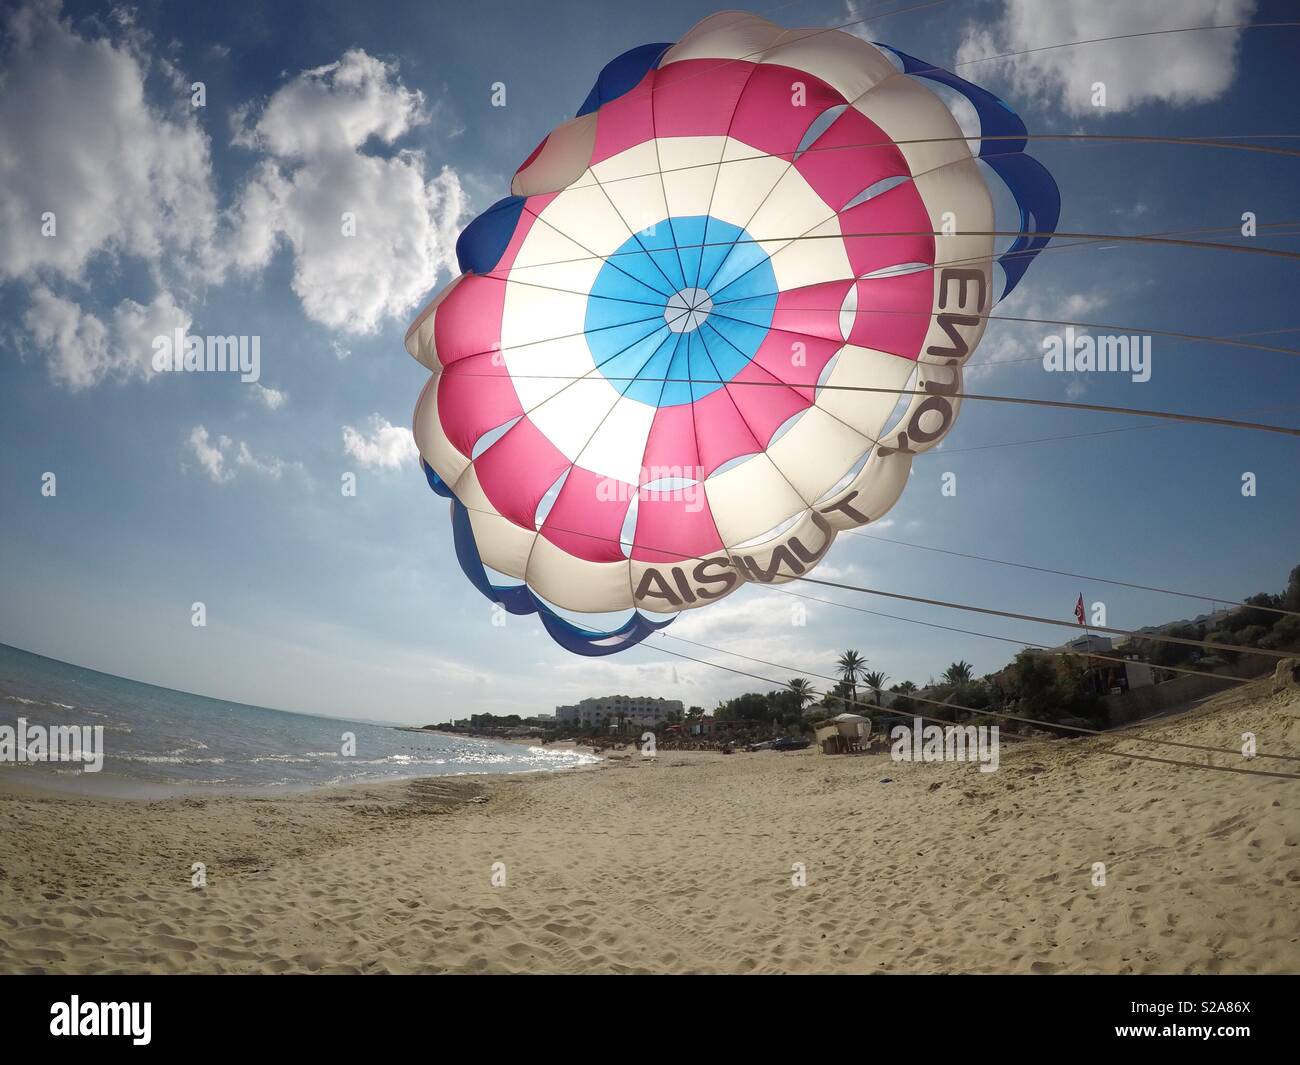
(613, 709)
(1089, 643)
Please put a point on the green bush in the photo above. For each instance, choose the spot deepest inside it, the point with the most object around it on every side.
(1252, 634)
(1220, 636)
(1284, 636)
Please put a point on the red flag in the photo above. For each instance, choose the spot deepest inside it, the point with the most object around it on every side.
(1078, 610)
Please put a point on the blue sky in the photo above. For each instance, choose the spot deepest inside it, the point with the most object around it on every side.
(179, 488)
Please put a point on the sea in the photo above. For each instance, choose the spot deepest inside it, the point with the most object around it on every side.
(162, 740)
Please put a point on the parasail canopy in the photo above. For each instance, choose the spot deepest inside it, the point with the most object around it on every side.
(669, 365)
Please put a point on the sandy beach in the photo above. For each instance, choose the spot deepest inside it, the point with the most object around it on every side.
(684, 864)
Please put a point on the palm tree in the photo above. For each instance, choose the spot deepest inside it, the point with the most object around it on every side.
(801, 689)
(875, 681)
(959, 673)
(851, 666)
(902, 691)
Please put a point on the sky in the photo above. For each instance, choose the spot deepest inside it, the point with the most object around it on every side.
(222, 219)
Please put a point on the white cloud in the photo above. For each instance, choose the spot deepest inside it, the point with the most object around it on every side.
(336, 108)
(1013, 342)
(216, 457)
(81, 140)
(121, 172)
(271, 398)
(844, 570)
(120, 178)
(82, 350)
(255, 219)
(209, 455)
(272, 467)
(757, 614)
(386, 448)
(766, 625)
(1176, 68)
(314, 129)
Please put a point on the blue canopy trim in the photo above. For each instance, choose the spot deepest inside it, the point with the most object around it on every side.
(482, 243)
(621, 75)
(1032, 185)
(519, 598)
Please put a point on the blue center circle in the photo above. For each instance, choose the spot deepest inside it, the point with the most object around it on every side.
(679, 309)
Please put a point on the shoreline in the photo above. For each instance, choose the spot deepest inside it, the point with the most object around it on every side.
(114, 786)
(907, 867)
(523, 741)
(332, 791)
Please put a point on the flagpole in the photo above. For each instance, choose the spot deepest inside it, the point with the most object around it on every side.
(1087, 630)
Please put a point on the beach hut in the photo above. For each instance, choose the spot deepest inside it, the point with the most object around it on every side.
(843, 733)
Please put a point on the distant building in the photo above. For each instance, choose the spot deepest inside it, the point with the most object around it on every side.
(703, 725)
(1107, 676)
(610, 710)
(1090, 643)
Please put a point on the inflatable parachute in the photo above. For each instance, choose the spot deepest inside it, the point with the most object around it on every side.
(671, 362)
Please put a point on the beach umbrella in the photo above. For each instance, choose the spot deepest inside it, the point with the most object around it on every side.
(672, 361)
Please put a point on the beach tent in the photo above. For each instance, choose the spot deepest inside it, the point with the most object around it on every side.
(843, 733)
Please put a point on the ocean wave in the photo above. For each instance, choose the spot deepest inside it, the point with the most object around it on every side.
(283, 759)
(405, 759)
(44, 702)
(167, 759)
